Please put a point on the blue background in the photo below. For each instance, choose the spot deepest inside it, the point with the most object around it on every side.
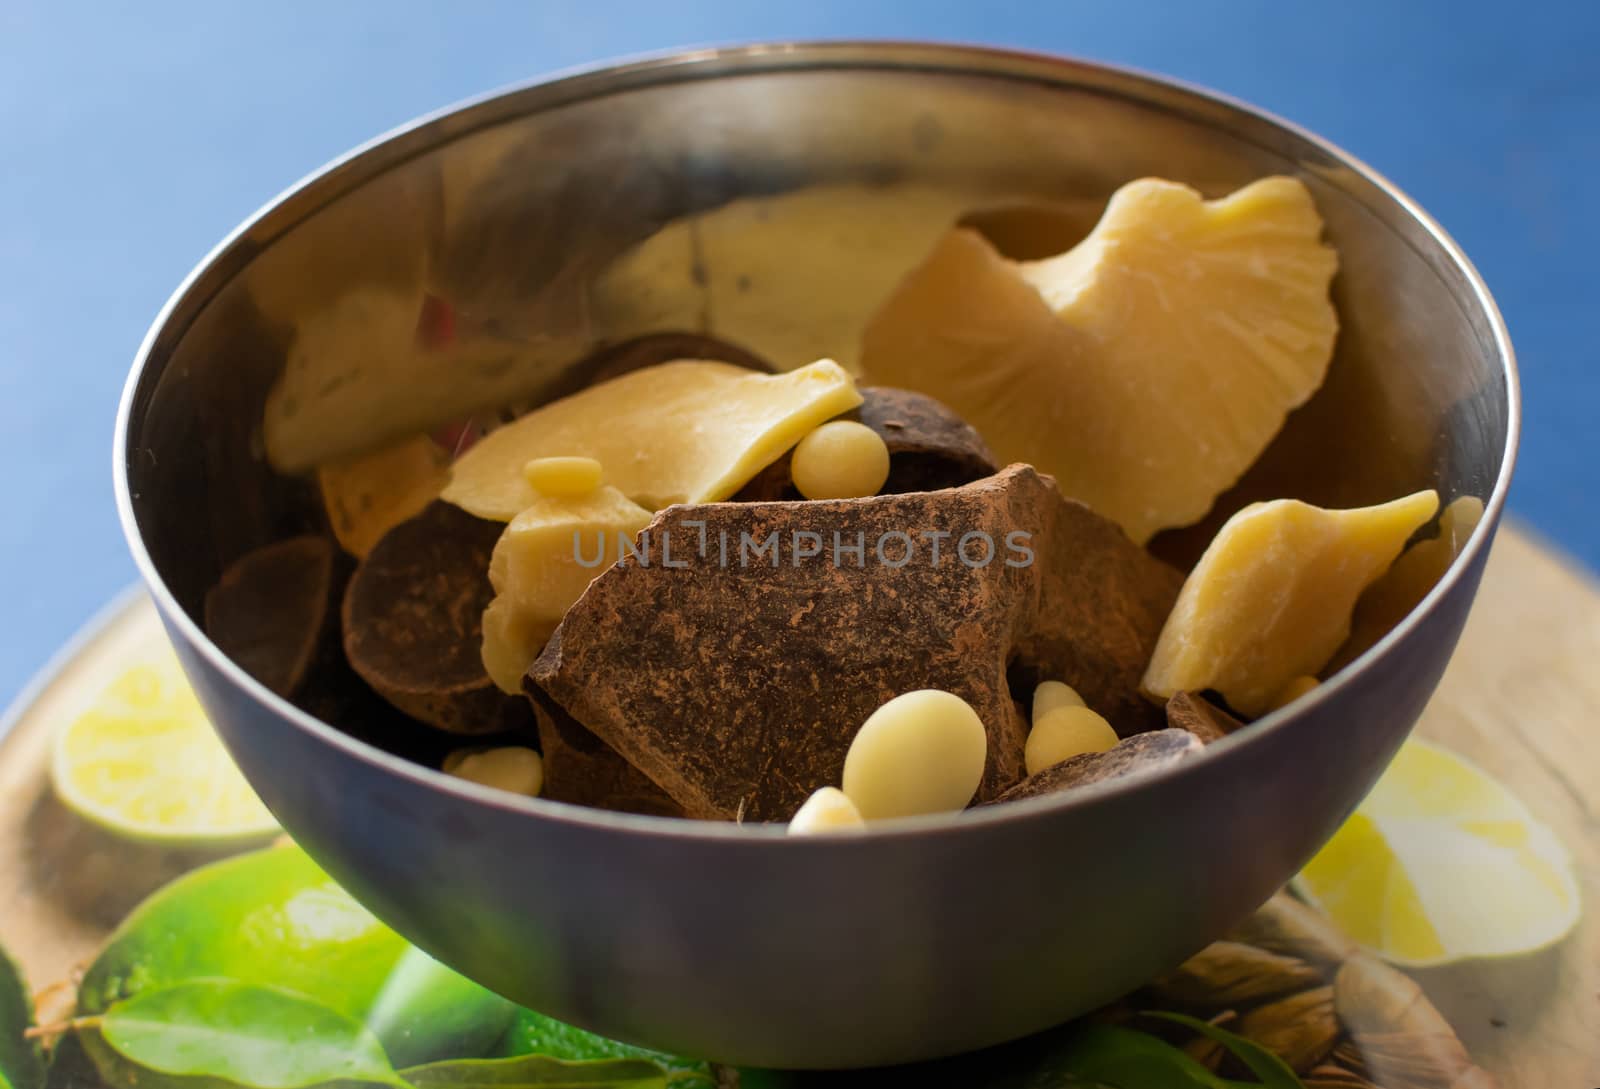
(133, 136)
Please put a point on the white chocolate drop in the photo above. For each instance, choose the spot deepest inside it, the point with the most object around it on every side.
(511, 768)
(563, 477)
(1064, 733)
(1051, 695)
(840, 460)
(827, 810)
(922, 752)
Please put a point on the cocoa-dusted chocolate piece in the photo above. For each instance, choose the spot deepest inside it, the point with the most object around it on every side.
(1136, 755)
(272, 611)
(930, 447)
(734, 667)
(1193, 712)
(275, 612)
(581, 769)
(413, 620)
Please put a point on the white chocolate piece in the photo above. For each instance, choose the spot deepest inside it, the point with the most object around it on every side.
(1293, 691)
(563, 477)
(511, 768)
(543, 562)
(922, 752)
(827, 810)
(1401, 588)
(791, 276)
(1051, 695)
(1271, 599)
(512, 639)
(1064, 733)
(690, 431)
(1147, 367)
(840, 460)
(366, 497)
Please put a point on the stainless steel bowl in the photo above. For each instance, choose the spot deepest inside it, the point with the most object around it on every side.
(927, 936)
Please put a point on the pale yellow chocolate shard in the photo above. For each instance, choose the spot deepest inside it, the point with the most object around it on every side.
(792, 276)
(511, 641)
(684, 432)
(1300, 686)
(1271, 598)
(1147, 367)
(1402, 588)
(368, 496)
(543, 562)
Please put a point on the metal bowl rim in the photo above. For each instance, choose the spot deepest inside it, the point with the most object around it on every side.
(391, 149)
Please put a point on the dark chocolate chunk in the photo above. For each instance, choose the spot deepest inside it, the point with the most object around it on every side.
(733, 662)
(1136, 755)
(272, 611)
(581, 769)
(413, 620)
(930, 447)
(1193, 712)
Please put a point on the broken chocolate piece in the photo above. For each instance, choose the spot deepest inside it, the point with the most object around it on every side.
(365, 497)
(581, 769)
(1193, 712)
(1137, 755)
(690, 431)
(274, 613)
(272, 610)
(413, 620)
(930, 447)
(733, 661)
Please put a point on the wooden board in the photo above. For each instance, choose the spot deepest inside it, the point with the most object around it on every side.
(1521, 698)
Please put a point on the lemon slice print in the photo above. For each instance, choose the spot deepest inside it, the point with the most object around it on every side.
(141, 760)
(1442, 863)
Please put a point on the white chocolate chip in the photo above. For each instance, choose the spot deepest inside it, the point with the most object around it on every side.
(827, 810)
(1064, 733)
(840, 460)
(1053, 694)
(563, 477)
(922, 752)
(511, 768)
